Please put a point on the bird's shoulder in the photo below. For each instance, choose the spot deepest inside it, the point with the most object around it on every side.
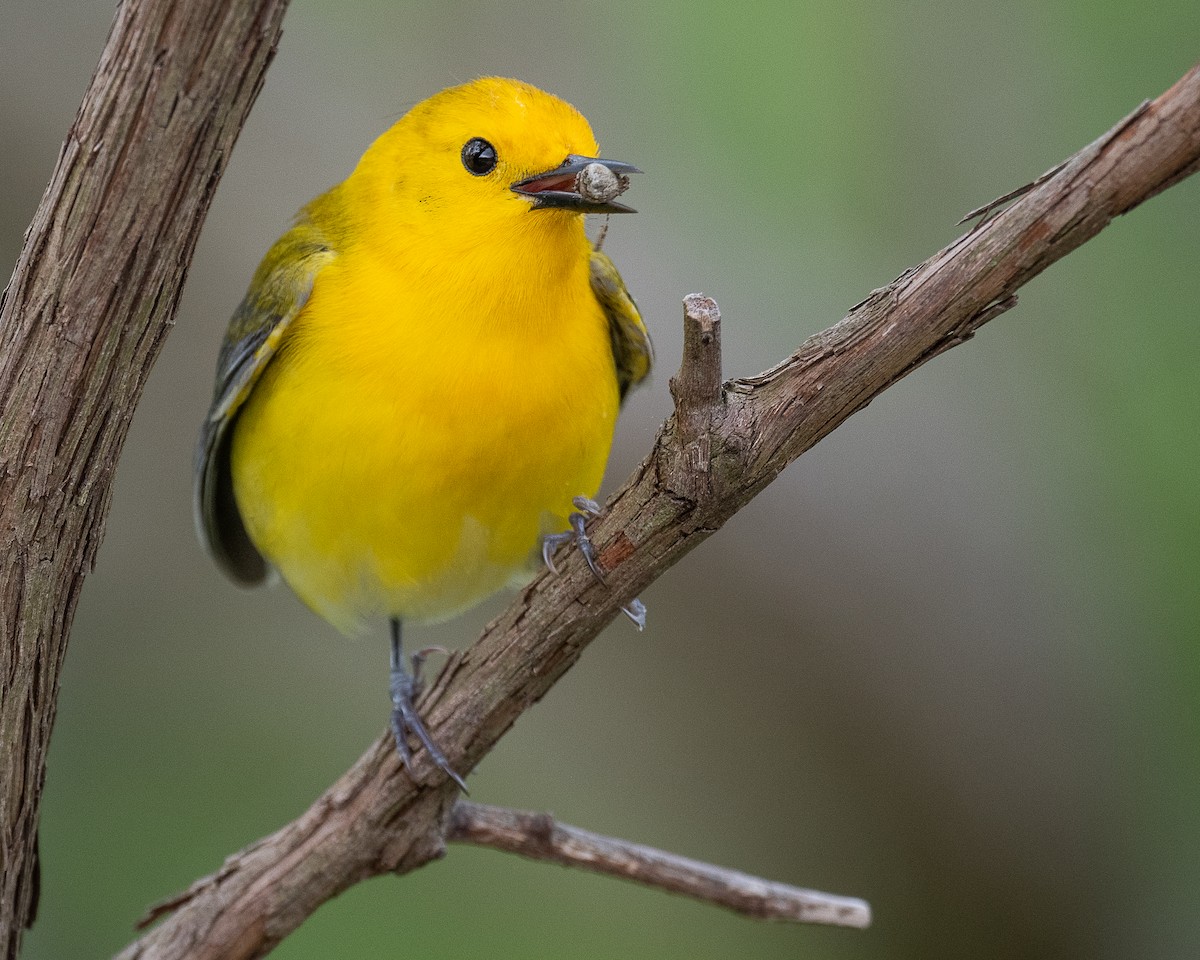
(633, 352)
(278, 292)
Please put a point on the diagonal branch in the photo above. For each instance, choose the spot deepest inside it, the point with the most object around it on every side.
(539, 836)
(708, 461)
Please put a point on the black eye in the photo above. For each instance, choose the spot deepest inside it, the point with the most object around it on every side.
(479, 156)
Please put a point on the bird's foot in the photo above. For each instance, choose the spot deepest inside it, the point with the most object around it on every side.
(405, 720)
(635, 610)
(418, 663)
(586, 507)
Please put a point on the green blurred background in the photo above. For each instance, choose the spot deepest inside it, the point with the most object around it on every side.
(948, 662)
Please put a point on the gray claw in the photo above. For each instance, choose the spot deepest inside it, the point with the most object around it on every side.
(635, 610)
(418, 661)
(550, 542)
(578, 524)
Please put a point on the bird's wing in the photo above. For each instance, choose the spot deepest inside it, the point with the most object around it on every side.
(632, 351)
(279, 290)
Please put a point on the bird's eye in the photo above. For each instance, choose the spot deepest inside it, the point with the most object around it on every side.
(479, 156)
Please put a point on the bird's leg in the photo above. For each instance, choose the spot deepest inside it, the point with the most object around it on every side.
(586, 507)
(405, 719)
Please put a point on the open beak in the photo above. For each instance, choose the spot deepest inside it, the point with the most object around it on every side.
(583, 184)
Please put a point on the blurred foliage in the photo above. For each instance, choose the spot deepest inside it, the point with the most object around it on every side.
(948, 662)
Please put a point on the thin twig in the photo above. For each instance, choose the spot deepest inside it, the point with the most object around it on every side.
(986, 211)
(992, 206)
(540, 837)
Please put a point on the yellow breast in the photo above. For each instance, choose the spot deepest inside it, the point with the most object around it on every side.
(421, 428)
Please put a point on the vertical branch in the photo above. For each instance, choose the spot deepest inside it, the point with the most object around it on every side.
(696, 390)
(697, 386)
(81, 322)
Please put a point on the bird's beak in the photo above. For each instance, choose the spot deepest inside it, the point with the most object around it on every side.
(583, 184)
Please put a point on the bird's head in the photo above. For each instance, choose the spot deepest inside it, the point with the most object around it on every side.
(493, 154)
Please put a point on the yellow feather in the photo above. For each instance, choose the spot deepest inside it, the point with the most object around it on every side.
(445, 389)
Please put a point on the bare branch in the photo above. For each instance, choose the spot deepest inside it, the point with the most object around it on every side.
(81, 322)
(539, 837)
(375, 819)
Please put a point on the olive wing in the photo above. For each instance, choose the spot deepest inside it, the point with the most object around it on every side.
(280, 288)
(631, 347)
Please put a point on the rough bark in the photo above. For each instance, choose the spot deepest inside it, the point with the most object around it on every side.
(81, 322)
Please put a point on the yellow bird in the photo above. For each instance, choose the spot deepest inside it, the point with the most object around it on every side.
(425, 373)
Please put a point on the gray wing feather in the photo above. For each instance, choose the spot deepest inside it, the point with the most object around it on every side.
(277, 294)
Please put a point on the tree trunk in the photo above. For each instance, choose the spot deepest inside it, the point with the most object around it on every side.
(81, 323)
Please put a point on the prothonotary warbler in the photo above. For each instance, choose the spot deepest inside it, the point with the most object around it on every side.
(425, 373)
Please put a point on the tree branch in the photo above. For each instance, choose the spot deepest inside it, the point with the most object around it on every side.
(375, 819)
(539, 837)
(81, 322)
